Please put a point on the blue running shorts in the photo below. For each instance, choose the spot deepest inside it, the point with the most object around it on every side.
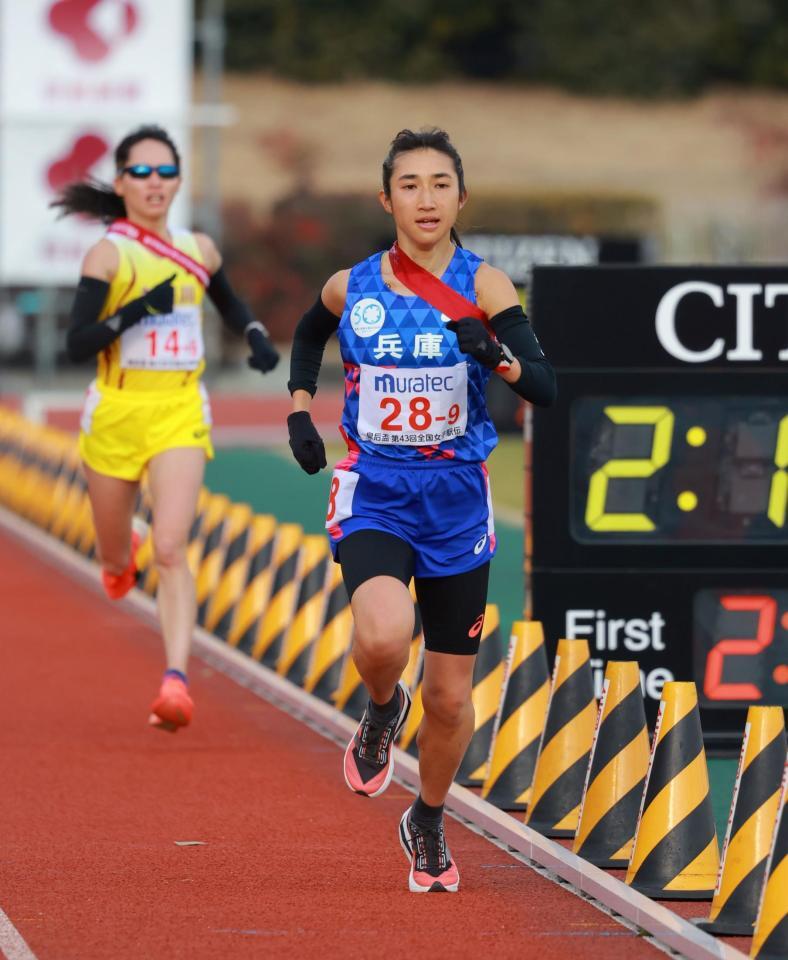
(443, 510)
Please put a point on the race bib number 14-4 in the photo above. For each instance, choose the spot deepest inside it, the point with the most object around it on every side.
(412, 406)
(167, 341)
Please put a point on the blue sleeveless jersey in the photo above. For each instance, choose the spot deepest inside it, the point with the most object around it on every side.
(410, 393)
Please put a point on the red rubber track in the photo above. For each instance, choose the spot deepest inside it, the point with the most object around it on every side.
(292, 864)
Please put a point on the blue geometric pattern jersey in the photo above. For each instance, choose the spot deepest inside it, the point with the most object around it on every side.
(410, 393)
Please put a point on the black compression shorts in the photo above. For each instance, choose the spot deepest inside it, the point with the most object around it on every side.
(452, 607)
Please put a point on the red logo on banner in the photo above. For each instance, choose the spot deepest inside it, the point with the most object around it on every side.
(94, 27)
(85, 153)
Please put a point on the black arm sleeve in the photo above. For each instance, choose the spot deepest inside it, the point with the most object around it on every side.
(86, 337)
(309, 341)
(537, 380)
(233, 311)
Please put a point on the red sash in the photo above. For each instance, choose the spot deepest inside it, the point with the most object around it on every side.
(125, 228)
(431, 288)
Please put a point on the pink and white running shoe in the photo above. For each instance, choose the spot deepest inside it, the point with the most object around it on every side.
(369, 763)
(432, 869)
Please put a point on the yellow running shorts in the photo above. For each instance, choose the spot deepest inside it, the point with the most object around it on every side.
(122, 431)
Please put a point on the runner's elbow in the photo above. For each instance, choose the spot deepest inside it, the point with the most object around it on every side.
(75, 349)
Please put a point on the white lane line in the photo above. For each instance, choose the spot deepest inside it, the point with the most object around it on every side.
(589, 881)
(12, 943)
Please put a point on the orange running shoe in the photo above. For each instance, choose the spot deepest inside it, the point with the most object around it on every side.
(117, 585)
(173, 708)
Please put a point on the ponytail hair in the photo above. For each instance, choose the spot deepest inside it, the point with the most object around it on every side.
(98, 200)
(92, 198)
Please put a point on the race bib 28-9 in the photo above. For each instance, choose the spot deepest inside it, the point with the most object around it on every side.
(412, 406)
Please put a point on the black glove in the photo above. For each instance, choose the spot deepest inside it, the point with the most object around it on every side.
(159, 299)
(475, 340)
(305, 442)
(264, 356)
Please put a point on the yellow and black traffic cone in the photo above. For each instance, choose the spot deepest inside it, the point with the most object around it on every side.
(25, 470)
(48, 460)
(310, 607)
(351, 693)
(80, 533)
(209, 545)
(228, 553)
(488, 674)
(147, 575)
(616, 772)
(85, 543)
(220, 605)
(38, 478)
(69, 465)
(63, 528)
(675, 856)
(565, 747)
(522, 718)
(756, 797)
(142, 522)
(237, 517)
(64, 492)
(770, 939)
(58, 482)
(284, 592)
(203, 519)
(336, 634)
(257, 592)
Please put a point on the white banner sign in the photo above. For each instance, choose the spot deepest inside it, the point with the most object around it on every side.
(74, 57)
(75, 77)
(35, 164)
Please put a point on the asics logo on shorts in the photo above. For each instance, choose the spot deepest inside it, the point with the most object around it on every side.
(476, 629)
(479, 545)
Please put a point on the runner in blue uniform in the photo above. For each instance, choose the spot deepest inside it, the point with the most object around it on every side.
(412, 497)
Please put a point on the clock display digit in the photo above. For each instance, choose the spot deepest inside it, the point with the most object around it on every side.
(714, 686)
(694, 469)
(660, 419)
(740, 642)
(778, 494)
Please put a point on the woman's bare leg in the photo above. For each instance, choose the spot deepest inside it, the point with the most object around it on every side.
(175, 477)
(112, 501)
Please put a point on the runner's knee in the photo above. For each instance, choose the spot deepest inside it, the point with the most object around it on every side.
(383, 635)
(446, 705)
(169, 551)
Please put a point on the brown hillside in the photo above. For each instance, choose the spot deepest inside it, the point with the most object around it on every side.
(716, 166)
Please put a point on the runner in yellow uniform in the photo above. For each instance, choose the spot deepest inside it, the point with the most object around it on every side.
(138, 309)
(147, 396)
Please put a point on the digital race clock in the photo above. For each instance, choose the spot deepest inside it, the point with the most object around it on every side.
(657, 489)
